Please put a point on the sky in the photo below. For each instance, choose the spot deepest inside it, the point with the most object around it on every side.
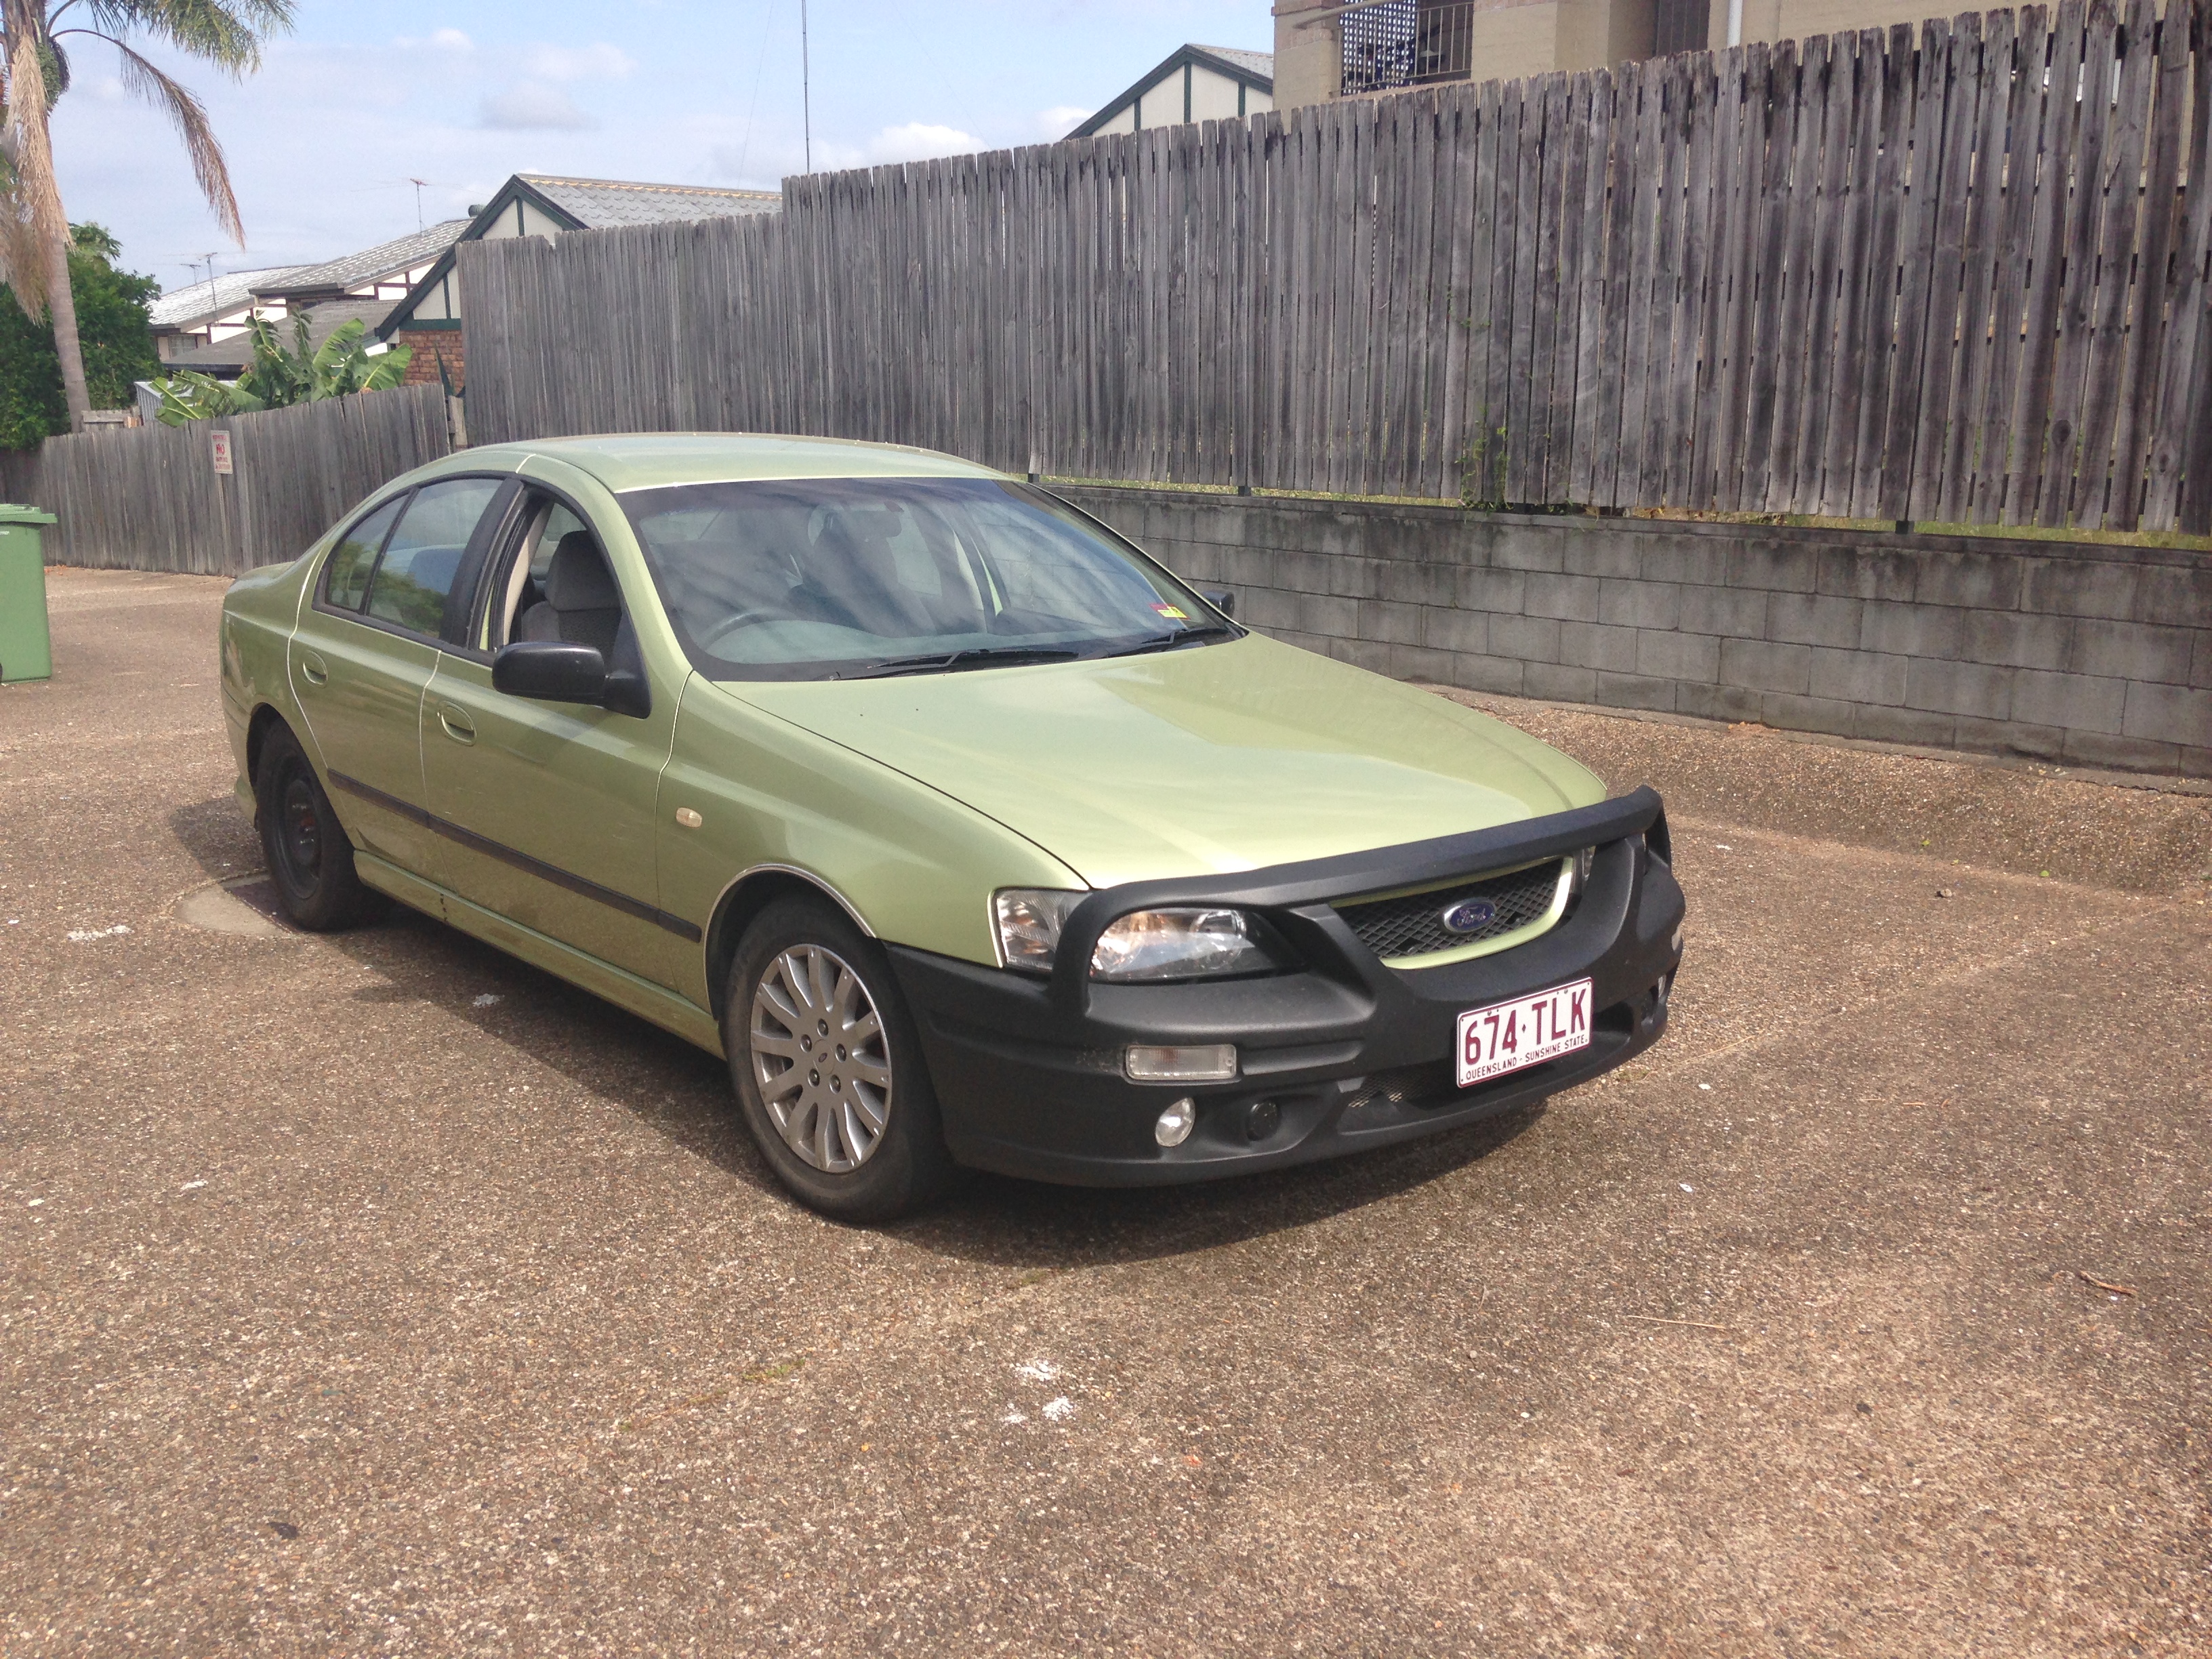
(363, 97)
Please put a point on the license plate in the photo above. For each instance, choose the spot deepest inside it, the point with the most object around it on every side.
(1525, 1031)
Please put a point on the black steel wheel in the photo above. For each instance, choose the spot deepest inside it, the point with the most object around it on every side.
(310, 860)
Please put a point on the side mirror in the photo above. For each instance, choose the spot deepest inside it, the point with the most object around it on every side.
(1223, 600)
(557, 670)
(550, 671)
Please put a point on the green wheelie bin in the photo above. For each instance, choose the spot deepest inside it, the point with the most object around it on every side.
(26, 648)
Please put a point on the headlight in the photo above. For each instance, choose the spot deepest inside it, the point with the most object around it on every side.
(1030, 919)
(1175, 944)
(1179, 945)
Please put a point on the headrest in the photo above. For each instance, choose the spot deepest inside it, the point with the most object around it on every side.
(579, 579)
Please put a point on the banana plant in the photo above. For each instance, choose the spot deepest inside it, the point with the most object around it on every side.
(278, 378)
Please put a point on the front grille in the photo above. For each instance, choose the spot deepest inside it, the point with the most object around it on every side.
(1412, 924)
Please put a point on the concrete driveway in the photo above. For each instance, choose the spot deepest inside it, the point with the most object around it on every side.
(378, 1294)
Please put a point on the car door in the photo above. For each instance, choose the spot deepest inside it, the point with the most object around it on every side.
(366, 646)
(551, 807)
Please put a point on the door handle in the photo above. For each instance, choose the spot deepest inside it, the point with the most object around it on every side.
(456, 724)
(311, 669)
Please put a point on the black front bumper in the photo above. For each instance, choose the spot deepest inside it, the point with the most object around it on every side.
(1351, 1053)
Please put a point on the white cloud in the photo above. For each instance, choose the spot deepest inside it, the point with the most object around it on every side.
(918, 141)
(533, 107)
(597, 62)
(444, 40)
(1057, 122)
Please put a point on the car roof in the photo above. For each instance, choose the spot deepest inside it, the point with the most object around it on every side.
(650, 460)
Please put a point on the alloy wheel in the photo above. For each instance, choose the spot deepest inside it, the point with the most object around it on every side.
(820, 1058)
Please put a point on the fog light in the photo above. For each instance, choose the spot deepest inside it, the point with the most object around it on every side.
(1176, 1122)
(1260, 1118)
(1211, 1062)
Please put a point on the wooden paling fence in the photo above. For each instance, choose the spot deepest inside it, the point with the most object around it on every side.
(148, 498)
(1955, 273)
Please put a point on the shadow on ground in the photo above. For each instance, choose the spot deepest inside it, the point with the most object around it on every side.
(683, 1093)
(218, 835)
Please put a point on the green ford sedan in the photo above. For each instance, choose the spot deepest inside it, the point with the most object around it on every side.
(964, 832)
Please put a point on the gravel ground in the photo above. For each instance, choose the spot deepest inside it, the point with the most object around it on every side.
(379, 1295)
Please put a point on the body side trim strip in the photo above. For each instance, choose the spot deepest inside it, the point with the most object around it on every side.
(506, 854)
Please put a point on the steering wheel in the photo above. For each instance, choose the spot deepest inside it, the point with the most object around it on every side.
(723, 629)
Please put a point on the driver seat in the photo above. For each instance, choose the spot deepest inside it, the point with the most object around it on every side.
(582, 605)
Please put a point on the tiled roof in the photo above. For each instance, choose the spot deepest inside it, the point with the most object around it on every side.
(600, 203)
(1262, 64)
(194, 302)
(385, 260)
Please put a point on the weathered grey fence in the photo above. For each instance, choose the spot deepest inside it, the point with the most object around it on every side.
(148, 498)
(1955, 273)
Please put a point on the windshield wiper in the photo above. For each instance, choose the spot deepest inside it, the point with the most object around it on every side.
(1181, 636)
(973, 656)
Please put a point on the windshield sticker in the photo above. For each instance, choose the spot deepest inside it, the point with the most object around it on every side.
(1176, 613)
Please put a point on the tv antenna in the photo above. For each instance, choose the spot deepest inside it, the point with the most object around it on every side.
(418, 184)
(193, 266)
(805, 89)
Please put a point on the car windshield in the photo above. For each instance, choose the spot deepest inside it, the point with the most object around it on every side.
(821, 578)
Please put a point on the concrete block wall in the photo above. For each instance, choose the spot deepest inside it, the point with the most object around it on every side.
(2085, 655)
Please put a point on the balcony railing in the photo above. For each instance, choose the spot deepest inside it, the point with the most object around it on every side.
(1407, 43)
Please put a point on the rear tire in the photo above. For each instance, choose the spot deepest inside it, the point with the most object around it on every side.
(310, 860)
(828, 1067)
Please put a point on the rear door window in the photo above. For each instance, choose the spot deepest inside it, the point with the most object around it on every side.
(355, 556)
(416, 579)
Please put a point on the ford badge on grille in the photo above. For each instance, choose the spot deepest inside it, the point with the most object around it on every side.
(1469, 915)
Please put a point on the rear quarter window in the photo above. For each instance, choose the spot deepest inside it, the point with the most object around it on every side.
(355, 555)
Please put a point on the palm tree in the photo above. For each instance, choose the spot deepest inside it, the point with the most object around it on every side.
(34, 234)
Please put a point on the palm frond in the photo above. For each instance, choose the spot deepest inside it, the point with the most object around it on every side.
(225, 32)
(182, 107)
(31, 220)
(23, 261)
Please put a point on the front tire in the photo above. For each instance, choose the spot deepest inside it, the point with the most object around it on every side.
(310, 860)
(828, 1067)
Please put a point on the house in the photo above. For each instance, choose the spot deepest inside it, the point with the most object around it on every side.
(203, 326)
(1191, 83)
(1326, 50)
(428, 319)
(203, 313)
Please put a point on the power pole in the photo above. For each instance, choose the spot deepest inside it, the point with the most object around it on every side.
(806, 88)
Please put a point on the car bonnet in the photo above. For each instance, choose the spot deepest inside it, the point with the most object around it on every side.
(1207, 759)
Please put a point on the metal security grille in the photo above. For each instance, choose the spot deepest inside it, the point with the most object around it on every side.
(1407, 43)
(1412, 924)
(1679, 26)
